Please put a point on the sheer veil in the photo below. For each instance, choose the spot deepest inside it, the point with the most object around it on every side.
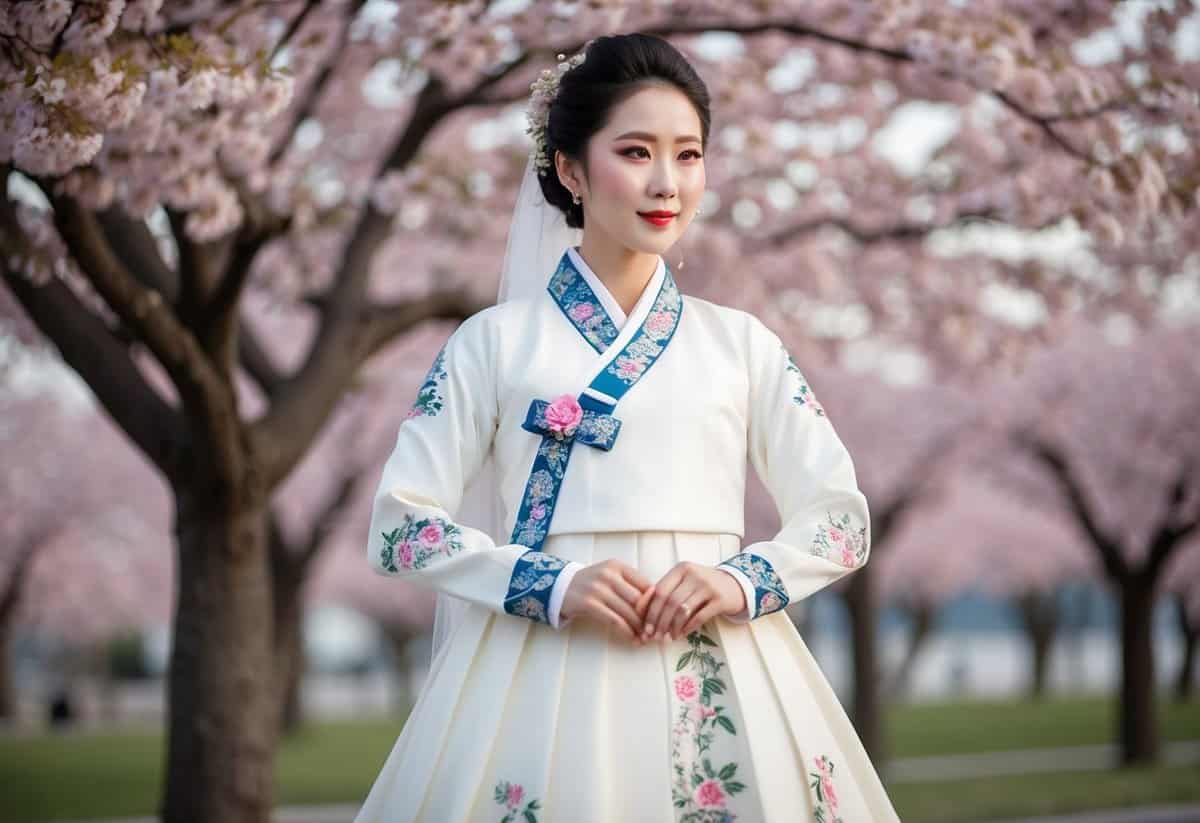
(537, 237)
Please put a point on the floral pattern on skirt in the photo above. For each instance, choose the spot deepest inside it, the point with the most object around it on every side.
(701, 791)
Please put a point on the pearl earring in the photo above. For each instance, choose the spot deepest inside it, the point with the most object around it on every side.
(575, 198)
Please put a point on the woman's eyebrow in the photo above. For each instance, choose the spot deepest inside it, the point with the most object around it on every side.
(650, 138)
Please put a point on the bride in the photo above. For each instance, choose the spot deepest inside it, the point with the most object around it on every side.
(606, 649)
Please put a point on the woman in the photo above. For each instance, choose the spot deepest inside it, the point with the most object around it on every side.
(621, 657)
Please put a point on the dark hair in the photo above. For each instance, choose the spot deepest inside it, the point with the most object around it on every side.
(615, 67)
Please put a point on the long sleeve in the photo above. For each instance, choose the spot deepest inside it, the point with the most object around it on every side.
(440, 446)
(825, 531)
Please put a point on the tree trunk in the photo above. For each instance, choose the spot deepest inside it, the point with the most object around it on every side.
(289, 647)
(860, 601)
(899, 682)
(1039, 613)
(398, 638)
(1138, 723)
(8, 694)
(1185, 686)
(224, 716)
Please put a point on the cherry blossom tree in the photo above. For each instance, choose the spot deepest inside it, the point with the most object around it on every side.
(1114, 432)
(85, 529)
(172, 161)
(973, 537)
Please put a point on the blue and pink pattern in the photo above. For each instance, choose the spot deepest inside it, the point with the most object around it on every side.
(530, 585)
(597, 428)
(581, 306)
(770, 595)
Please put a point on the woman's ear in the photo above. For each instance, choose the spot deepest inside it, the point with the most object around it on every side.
(568, 172)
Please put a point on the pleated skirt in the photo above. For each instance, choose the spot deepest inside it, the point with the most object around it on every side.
(520, 723)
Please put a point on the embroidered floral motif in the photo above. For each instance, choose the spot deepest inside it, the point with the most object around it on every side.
(826, 809)
(541, 492)
(581, 306)
(414, 544)
(840, 541)
(429, 399)
(701, 792)
(770, 595)
(804, 395)
(529, 587)
(650, 340)
(511, 796)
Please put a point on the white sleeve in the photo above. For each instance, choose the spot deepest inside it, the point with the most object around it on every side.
(825, 531)
(439, 448)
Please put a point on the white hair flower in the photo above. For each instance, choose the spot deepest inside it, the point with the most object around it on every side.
(544, 89)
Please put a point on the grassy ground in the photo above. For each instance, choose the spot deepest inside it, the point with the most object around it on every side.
(98, 775)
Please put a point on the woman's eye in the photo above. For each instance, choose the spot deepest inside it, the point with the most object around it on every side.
(697, 155)
(629, 151)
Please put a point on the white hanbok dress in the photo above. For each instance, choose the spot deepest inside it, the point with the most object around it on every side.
(525, 718)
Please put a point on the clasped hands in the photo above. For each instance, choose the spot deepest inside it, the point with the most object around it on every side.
(614, 593)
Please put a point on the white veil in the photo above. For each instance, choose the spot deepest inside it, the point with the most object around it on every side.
(537, 237)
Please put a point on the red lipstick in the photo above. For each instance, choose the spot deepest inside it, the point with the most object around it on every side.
(658, 218)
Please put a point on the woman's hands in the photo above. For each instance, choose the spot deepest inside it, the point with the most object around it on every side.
(609, 592)
(614, 593)
(686, 597)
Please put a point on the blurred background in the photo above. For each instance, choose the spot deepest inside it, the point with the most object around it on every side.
(236, 234)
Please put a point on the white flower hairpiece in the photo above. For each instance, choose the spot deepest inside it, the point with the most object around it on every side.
(545, 89)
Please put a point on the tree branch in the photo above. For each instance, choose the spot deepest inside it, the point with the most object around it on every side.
(1055, 463)
(88, 346)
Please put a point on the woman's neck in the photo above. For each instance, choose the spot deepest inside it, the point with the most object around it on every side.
(623, 272)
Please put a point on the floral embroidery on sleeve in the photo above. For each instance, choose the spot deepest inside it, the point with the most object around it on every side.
(840, 541)
(700, 791)
(804, 395)
(414, 544)
(511, 795)
(822, 785)
(429, 398)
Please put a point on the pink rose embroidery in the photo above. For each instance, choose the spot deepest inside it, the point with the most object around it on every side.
(685, 688)
(431, 535)
(709, 794)
(628, 368)
(707, 712)
(563, 415)
(835, 534)
(406, 554)
(581, 311)
(827, 790)
(658, 322)
(515, 795)
(538, 511)
(848, 558)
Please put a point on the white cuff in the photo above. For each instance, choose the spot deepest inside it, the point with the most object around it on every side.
(560, 591)
(746, 614)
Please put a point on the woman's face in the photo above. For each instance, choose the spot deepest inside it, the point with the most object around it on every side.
(648, 158)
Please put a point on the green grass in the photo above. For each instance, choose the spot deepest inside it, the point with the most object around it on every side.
(118, 773)
(995, 725)
(1019, 796)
